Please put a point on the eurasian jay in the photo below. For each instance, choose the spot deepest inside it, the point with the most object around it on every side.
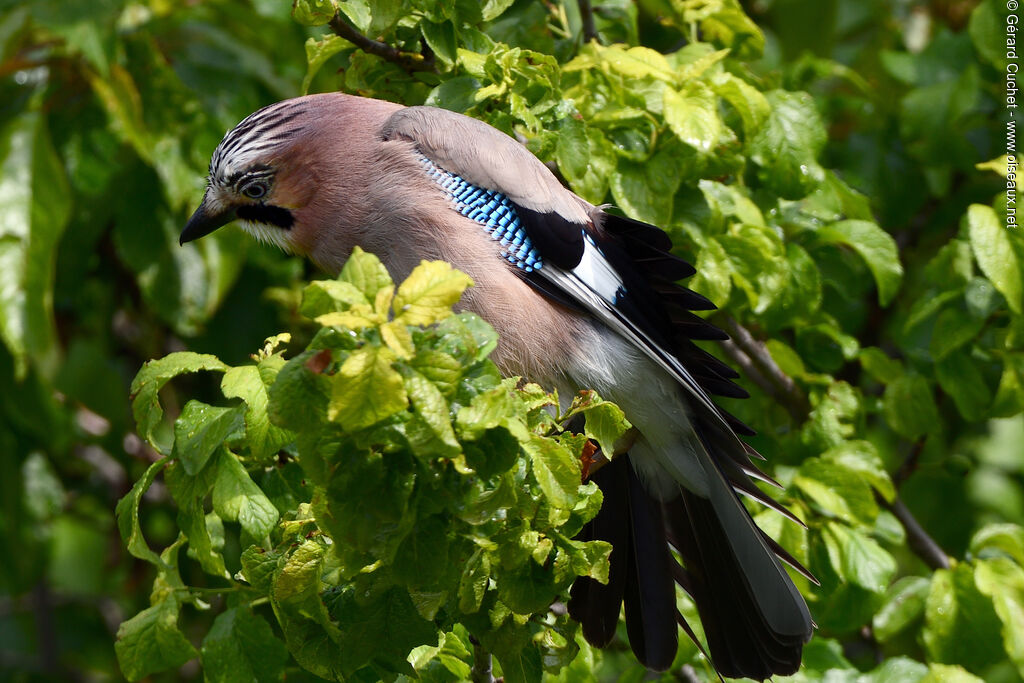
(581, 298)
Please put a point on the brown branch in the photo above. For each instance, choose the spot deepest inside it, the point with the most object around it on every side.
(909, 464)
(587, 14)
(408, 61)
(753, 357)
(923, 545)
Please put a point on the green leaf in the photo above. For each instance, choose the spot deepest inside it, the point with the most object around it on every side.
(241, 646)
(492, 9)
(35, 204)
(645, 190)
(862, 461)
(836, 489)
(259, 567)
(428, 294)
(200, 430)
(366, 389)
(127, 512)
(556, 470)
(151, 379)
(961, 624)
(317, 54)
(150, 642)
(366, 273)
(383, 629)
(422, 558)
(832, 416)
(862, 561)
(730, 201)
(250, 383)
(431, 407)
(1003, 580)
(944, 673)
(904, 605)
(730, 27)
(987, 28)
(329, 296)
(473, 583)
(748, 101)
(758, 261)
(314, 12)
(960, 377)
(298, 398)
(692, 114)
(205, 534)
(996, 255)
(787, 147)
(442, 40)
(572, 150)
(999, 540)
(606, 424)
(879, 365)
(237, 499)
(298, 581)
(953, 329)
(876, 247)
(909, 407)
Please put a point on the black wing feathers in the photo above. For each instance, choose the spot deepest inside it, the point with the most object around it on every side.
(559, 240)
(661, 307)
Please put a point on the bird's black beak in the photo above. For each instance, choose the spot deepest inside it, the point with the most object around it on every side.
(203, 222)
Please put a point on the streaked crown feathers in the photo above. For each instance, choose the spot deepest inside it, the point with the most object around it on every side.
(252, 139)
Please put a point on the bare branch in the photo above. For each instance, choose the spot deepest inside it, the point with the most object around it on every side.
(482, 667)
(410, 62)
(587, 14)
(753, 357)
(909, 464)
(923, 545)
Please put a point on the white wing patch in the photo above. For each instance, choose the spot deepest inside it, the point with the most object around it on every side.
(597, 274)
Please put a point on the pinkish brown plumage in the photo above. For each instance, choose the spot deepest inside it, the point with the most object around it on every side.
(581, 299)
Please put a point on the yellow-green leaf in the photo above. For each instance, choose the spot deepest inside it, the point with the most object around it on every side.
(398, 338)
(366, 389)
(995, 253)
(428, 294)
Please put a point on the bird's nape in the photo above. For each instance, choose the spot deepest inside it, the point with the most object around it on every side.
(581, 299)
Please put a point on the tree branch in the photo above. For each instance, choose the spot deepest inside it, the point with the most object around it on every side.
(408, 61)
(482, 671)
(923, 545)
(753, 357)
(587, 14)
(909, 464)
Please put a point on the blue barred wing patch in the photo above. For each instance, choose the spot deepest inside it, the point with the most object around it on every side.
(493, 211)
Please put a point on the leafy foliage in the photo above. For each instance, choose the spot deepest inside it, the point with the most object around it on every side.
(833, 168)
(418, 494)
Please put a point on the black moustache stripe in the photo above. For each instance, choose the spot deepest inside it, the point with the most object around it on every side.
(265, 213)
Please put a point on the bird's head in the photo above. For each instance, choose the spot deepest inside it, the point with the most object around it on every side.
(260, 177)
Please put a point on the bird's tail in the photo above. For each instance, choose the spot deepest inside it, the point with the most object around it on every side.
(754, 619)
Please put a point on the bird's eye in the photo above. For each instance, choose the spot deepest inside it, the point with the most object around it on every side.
(256, 189)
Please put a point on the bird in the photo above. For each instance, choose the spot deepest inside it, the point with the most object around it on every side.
(582, 298)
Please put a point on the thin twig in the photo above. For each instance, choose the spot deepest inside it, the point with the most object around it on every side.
(410, 62)
(587, 14)
(909, 464)
(923, 545)
(483, 671)
(753, 356)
